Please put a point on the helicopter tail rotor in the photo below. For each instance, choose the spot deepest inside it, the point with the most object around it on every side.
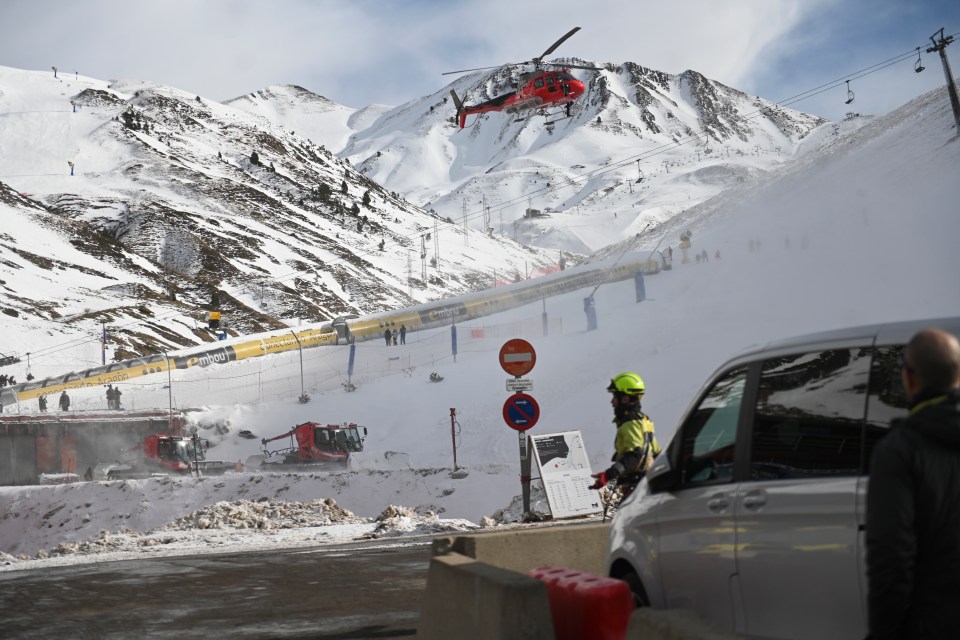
(461, 112)
(456, 100)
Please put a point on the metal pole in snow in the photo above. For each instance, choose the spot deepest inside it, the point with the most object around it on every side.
(453, 434)
(169, 394)
(303, 393)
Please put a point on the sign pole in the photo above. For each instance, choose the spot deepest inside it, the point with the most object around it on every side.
(525, 472)
(453, 434)
(521, 411)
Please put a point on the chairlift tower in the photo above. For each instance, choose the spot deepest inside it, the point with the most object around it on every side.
(486, 216)
(940, 47)
(409, 275)
(436, 243)
(423, 259)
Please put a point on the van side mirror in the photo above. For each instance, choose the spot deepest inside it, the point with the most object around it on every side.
(662, 476)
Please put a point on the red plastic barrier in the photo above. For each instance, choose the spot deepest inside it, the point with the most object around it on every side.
(584, 605)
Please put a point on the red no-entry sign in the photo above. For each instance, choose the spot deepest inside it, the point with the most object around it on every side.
(521, 412)
(517, 357)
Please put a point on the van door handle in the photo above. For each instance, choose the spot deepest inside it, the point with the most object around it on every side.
(718, 502)
(755, 499)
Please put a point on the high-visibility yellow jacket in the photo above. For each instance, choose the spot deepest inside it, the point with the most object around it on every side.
(634, 445)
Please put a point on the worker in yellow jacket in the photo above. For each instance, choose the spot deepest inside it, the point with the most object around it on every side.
(635, 445)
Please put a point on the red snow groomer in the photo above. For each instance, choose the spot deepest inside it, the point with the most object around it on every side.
(316, 445)
(161, 454)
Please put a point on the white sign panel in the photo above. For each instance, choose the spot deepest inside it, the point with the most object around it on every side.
(565, 473)
(519, 385)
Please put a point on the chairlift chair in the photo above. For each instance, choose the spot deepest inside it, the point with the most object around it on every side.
(850, 95)
(918, 65)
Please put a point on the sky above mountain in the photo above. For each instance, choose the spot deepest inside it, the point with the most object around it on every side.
(368, 52)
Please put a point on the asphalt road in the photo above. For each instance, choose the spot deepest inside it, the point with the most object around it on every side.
(325, 593)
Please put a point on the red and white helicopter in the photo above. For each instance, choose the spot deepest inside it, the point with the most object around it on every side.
(538, 89)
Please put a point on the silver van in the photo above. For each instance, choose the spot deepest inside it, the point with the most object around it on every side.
(754, 515)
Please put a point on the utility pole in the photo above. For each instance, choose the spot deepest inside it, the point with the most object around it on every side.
(436, 243)
(466, 230)
(423, 259)
(409, 275)
(486, 216)
(940, 47)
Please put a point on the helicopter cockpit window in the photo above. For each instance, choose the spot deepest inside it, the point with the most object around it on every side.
(563, 75)
(549, 79)
(538, 83)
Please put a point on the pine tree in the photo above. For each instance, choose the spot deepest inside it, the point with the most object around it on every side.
(366, 198)
(254, 158)
(343, 187)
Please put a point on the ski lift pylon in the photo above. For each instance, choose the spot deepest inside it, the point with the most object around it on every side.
(850, 95)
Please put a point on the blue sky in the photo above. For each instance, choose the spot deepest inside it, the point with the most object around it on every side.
(366, 51)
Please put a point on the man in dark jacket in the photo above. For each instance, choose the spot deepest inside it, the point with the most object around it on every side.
(913, 501)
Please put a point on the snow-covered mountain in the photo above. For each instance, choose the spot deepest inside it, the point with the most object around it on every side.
(290, 207)
(644, 146)
(175, 198)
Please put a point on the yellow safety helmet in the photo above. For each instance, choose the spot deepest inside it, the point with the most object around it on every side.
(627, 383)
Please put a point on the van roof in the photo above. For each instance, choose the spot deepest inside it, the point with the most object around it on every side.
(881, 333)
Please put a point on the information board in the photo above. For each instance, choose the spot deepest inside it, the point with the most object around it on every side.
(565, 473)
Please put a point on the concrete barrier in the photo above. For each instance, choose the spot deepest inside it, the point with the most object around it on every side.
(477, 588)
(471, 600)
(580, 547)
(674, 624)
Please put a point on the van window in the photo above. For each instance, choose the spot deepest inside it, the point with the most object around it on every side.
(711, 431)
(809, 415)
(886, 400)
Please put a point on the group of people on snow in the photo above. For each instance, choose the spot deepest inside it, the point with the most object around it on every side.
(113, 397)
(392, 337)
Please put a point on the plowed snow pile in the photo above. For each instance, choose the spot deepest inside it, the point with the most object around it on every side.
(250, 524)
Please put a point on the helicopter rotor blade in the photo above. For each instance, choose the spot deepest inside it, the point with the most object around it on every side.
(496, 66)
(555, 45)
(447, 73)
(572, 66)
